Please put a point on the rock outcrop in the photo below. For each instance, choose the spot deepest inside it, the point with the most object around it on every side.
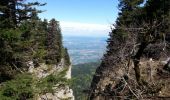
(61, 91)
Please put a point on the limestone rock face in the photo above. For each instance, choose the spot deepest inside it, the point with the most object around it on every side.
(60, 91)
(68, 74)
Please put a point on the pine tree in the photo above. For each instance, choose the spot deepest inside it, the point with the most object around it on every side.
(17, 31)
(54, 42)
(66, 57)
(15, 11)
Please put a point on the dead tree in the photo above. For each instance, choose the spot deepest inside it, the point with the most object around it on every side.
(147, 33)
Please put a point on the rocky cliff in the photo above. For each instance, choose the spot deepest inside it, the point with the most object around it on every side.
(60, 89)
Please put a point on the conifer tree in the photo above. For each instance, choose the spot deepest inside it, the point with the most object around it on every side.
(66, 57)
(17, 20)
(15, 11)
(54, 42)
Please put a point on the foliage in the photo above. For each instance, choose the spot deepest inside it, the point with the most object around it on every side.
(82, 76)
(66, 57)
(28, 38)
(13, 12)
(54, 42)
(18, 89)
(8, 38)
(24, 37)
(24, 86)
(47, 84)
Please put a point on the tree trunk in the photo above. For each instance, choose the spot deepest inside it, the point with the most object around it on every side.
(136, 61)
(137, 71)
(13, 12)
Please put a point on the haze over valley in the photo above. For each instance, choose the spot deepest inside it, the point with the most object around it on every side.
(85, 49)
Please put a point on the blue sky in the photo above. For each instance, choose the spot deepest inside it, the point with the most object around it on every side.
(82, 17)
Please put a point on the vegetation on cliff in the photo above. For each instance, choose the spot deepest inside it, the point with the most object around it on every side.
(141, 33)
(27, 87)
(25, 38)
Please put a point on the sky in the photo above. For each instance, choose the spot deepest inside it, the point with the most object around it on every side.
(82, 17)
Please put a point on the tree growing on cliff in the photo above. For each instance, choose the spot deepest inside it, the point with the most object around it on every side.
(66, 57)
(140, 27)
(54, 42)
(139, 32)
(27, 41)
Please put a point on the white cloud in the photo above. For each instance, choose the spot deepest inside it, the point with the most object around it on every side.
(84, 29)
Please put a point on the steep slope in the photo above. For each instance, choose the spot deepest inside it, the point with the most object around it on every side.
(60, 89)
(40, 81)
(132, 68)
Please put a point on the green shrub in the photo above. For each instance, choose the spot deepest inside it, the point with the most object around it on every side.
(20, 88)
(46, 84)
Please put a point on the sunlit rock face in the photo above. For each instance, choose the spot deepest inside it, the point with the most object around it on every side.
(68, 73)
(61, 91)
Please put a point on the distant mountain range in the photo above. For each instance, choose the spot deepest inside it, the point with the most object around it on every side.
(85, 49)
